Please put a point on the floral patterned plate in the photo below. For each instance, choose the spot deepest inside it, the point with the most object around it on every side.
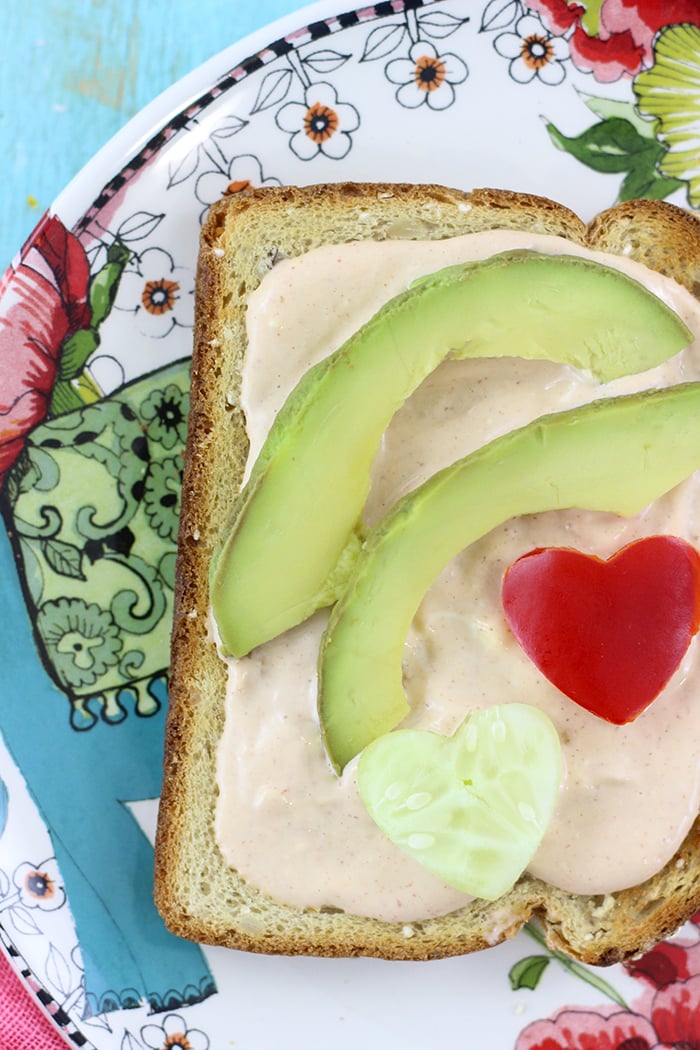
(587, 103)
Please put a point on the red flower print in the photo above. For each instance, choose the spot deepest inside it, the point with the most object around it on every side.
(588, 1030)
(644, 18)
(608, 58)
(663, 965)
(621, 43)
(675, 1014)
(43, 301)
(559, 15)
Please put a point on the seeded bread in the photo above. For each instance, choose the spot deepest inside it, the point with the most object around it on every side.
(199, 896)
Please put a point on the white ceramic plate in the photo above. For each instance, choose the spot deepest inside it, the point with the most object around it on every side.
(462, 93)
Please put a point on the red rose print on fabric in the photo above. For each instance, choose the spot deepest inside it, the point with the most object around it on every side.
(51, 310)
(43, 301)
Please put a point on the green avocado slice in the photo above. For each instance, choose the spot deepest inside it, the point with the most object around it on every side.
(276, 566)
(616, 455)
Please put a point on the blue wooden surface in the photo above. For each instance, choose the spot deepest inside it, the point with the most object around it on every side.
(72, 72)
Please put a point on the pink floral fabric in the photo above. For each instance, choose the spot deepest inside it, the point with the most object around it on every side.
(23, 1025)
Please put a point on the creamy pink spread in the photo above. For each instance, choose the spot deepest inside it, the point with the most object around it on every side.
(629, 794)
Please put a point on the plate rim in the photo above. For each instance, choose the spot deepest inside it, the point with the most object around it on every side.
(184, 93)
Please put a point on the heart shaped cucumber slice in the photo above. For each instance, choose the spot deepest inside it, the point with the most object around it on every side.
(471, 808)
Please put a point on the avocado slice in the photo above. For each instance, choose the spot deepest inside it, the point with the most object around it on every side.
(275, 567)
(616, 455)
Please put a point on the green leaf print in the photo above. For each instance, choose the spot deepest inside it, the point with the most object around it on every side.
(647, 182)
(612, 145)
(527, 972)
(64, 558)
(105, 283)
(617, 145)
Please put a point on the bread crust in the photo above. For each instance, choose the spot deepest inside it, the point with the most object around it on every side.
(198, 895)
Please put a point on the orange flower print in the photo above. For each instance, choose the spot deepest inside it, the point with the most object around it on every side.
(178, 1041)
(430, 72)
(158, 293)
(39, 885)
(320, 124)
(536, 52)
(426, 77)
(243, 171)
(173, 1034)
(236, 186)
(159, 296)
(533, 51)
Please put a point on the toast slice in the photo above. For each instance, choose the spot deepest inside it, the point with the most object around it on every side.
(198, 894)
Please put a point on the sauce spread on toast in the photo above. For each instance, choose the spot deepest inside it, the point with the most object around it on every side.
(630, 793)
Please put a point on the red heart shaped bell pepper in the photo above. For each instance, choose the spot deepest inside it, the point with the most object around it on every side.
(608, 634)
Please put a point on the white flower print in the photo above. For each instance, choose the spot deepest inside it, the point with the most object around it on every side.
(173, 1034)
(426, 77)
(533, 52)
(242, 171)
(159, 293)
(320, 124)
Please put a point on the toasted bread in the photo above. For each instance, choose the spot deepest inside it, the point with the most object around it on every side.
(200, 896)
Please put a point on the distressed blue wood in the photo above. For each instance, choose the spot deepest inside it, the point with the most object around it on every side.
(72, 72)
